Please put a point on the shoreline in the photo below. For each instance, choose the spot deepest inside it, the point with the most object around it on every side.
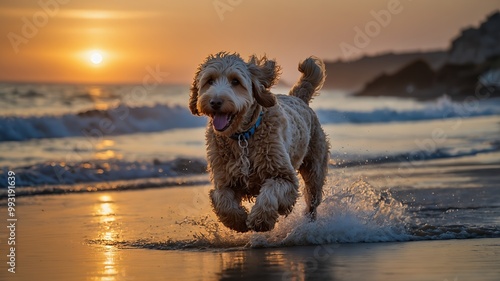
(53, 234)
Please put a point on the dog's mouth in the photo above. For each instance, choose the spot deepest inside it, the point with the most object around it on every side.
(222, 121)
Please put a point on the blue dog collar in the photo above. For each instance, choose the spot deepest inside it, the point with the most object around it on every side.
(247, 134)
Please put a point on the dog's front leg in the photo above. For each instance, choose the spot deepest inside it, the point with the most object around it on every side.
(227, 206)
(276, 197)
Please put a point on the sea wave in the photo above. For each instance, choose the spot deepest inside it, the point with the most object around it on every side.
(160, 117)
(416, 155)
(443, 108)
(98, 172)
(96, 175)
(115, 121)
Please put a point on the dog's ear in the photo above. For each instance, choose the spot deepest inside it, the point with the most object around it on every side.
(265, 74)
(193, 96)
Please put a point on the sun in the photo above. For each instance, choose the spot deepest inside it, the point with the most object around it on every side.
(96, 57)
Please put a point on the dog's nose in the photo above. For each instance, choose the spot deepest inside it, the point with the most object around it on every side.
(216, 103)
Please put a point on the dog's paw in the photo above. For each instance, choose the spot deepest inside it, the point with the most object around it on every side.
(235, 220)
(229, 210)
(262, 222)
(286, 209)
(310, 213)
(240, 226)
(260, 226)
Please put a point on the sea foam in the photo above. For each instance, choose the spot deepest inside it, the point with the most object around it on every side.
(160, 117)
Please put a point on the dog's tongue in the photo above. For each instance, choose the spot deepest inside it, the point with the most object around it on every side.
(220, 121)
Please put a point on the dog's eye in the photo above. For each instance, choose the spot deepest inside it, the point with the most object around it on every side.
(235, 82)
(210, 81)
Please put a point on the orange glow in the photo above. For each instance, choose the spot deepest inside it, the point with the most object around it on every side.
(95, 57)
(105, 198)
(105, 143)
(96, 93)
(107, 154)
(105, 210)
(107, 42)
(110, 271)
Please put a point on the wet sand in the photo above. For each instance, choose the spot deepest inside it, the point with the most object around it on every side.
(107, 236)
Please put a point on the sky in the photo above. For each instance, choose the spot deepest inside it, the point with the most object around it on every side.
(111, 41)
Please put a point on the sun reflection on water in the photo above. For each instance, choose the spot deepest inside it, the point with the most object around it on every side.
(97, 95)
(107, 154)
(110, 271)
(108, 233)
(106, 151)
(105, 143)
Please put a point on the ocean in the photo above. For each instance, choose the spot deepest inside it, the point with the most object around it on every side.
(400, 169)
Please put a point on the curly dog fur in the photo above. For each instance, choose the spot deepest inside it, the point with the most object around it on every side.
(233, 93)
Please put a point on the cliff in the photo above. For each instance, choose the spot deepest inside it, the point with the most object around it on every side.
(351, 75)
(418, 80)
(475, 45)
(472, 66)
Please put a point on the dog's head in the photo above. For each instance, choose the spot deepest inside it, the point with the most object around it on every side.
(226, 88)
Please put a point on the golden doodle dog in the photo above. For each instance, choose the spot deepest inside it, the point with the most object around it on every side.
(257, 141)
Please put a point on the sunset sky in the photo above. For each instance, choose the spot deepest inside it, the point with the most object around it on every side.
(96, 41)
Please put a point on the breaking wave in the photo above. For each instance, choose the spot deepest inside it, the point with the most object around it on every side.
(45, 177)
(115, 174)
(128, 120)
(116, 121)
(443, 108)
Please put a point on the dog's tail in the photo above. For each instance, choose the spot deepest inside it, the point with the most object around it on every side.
(311, 81)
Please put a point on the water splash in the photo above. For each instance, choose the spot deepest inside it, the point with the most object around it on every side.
(352, 211)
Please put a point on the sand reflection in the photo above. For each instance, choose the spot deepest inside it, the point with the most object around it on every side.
(110, 272)
(108, 233)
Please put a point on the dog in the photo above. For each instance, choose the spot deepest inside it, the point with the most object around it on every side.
(256, 141)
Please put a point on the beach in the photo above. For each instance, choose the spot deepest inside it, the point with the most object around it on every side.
(105, 153)
(106, 190)
(123, 236)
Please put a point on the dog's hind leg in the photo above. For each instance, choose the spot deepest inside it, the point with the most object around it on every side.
(227, 206)
(314, 170)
